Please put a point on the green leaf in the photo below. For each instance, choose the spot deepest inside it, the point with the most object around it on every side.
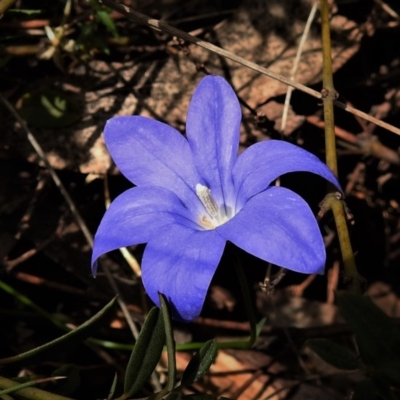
(113, 387)
(377, 335)
(68, 386)
(170, 342)
(200, 363)
(27, 12)
(146, 353)
(79, 334)
(260, 324)
(57, 321)
(333, 354)
(50, 109)
(104, 17)
(103, 13)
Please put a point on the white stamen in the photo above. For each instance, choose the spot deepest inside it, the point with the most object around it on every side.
(204, 194)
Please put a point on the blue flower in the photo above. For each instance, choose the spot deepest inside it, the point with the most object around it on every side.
(193, 194)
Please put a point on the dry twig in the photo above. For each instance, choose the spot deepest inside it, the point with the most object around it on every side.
(296, 63)
(79, 220)
(164, 27)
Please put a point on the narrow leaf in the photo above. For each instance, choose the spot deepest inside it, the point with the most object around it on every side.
(103, 14)
(333, 354)
(113, 387)
(260, 324)
(72, 381)
(28, 384)
(24, 11)
(50, 108)
(160, 395)
(146, 353)
(200, 363)
(170, 342)
(105, 18)
(80, 333)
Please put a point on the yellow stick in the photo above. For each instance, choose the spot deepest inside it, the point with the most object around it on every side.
(329, 95)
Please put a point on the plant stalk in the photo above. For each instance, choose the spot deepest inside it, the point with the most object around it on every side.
(247, 300)
(30, 392)
(329, 95)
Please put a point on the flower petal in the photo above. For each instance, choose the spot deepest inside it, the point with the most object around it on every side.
(150, 153)
(263, 162)
(213, 128)
(180, 263)
(135, 216)
(278, 226)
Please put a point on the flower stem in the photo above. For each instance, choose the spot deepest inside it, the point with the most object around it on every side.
(329, 95)
(254, 327)
(247, 299)
(328, 92)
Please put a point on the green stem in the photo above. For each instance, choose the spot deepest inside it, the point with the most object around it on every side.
(329, 94)
(351, 272)
(30, 392)
(237, 344)
(247, 300)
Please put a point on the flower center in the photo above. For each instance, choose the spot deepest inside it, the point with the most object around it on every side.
(215, 215)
